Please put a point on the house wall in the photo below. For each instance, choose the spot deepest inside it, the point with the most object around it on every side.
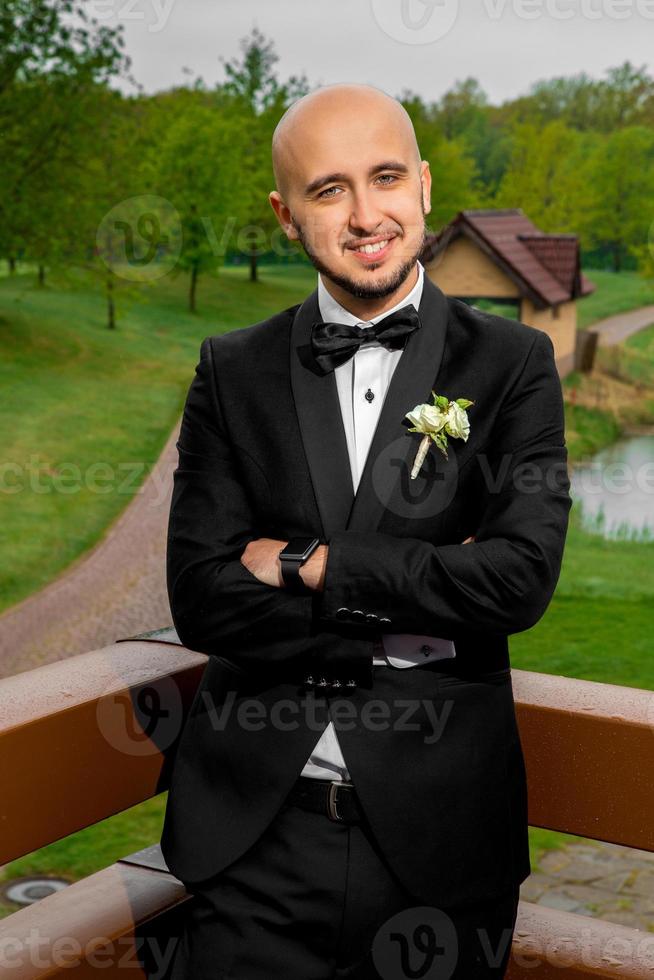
(562, 330)
(464, 270)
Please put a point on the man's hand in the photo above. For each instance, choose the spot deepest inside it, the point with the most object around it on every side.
(261, 558)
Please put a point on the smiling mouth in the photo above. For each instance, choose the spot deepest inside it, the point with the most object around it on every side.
(372, 248)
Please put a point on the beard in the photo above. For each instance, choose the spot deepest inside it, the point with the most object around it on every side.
(378, 290)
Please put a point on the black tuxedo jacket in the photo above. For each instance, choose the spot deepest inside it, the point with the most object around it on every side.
(434, 750)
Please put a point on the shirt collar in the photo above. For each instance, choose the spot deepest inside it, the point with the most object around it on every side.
(331, 310)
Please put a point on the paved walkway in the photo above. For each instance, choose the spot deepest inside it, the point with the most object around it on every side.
(117, 589)
(597, 879)
(615, 329)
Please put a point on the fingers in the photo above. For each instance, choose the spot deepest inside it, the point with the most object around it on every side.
(468, 540)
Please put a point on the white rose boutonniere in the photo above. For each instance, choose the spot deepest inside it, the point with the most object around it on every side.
(436, 422)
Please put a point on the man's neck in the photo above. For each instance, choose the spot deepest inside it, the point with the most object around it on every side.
(368, 309)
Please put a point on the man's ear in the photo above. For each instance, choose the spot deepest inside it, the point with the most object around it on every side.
(283, 214)
(425, 180)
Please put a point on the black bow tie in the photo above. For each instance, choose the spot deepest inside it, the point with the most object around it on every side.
(335, 343)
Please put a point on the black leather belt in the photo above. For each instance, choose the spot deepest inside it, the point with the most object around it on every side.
(336, 799)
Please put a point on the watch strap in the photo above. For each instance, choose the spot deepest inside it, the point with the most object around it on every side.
(292, 578)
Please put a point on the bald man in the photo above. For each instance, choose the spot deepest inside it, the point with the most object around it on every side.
(349, 797)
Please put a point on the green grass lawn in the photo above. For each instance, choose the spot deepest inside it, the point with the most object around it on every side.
(76, 395)
(633, 359)
(615, 293)
(79, 393)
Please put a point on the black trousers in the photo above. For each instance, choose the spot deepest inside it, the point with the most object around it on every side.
(313, 899)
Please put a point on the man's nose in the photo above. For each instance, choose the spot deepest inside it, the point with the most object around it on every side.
(365, 216)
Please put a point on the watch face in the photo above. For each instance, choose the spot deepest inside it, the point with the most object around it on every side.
(298, 549)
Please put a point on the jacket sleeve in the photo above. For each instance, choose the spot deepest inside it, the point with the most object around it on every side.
(502, 582)
(217, 605)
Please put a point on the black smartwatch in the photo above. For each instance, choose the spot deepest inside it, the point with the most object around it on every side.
(296, 552)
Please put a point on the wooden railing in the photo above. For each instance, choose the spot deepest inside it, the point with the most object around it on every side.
(78, 744)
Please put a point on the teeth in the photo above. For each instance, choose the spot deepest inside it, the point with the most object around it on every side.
(369, 249)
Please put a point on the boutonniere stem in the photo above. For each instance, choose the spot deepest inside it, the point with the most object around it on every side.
(436, 422)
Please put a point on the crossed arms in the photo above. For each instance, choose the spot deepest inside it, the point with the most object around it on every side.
(500, 583)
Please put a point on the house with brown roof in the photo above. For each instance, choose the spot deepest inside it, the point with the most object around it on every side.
(501, 255)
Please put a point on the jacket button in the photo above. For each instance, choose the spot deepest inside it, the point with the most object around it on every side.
(342, 612)
(358, 615)
(425, 649)
(384, 620)
(372, 617)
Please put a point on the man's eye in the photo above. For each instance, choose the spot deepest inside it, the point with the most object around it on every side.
(325, 193)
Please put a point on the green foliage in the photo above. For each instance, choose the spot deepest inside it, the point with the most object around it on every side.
(588, 430)
(615, 292)
(546, 175)
(620, 173)
(58, 364)
(624, 98)
(51, 58)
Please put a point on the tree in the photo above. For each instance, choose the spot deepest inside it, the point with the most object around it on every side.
(454, 176)
(621, 178)
(261, 99)
(548, 176)
(197, 167)
(51, 56)
(624, 98)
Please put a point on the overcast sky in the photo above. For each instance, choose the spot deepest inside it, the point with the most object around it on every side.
(420, 45)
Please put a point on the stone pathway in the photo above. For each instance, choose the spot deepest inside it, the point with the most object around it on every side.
(115, 590)
(607, 881)
(615, 329)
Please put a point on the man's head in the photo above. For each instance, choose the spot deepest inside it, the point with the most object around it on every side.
(348, 172)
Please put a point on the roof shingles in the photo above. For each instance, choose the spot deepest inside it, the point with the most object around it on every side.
(543, 265)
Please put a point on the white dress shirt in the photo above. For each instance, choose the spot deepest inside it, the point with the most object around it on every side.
(370, 369)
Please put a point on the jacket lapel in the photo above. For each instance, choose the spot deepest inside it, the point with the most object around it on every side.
(321, 424)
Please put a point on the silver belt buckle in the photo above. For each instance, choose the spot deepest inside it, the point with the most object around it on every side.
(331, 799)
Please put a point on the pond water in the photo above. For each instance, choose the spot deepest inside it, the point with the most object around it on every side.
(615, 490)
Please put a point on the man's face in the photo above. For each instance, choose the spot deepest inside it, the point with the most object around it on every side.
(356, 183)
